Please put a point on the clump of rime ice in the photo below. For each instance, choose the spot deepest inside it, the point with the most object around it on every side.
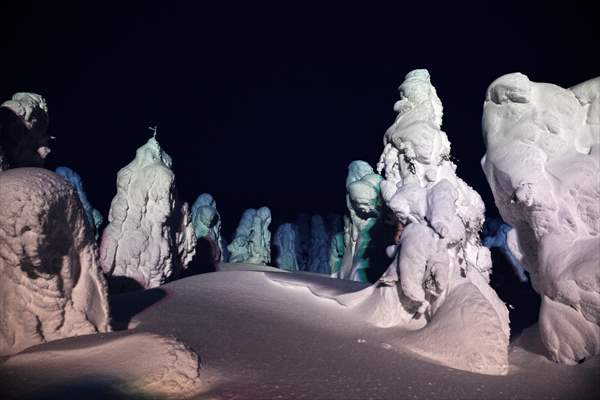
(335, 228)
(252, 240)
(310, 245)
(93, 216)
(363, 201)
(438, 281)
(302, 242)
(149, 237)
(318, 247)
(23, 137)
(207, 224)
(284, 243)
(52, 286)
(542, 163)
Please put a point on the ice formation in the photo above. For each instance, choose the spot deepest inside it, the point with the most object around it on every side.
(52, 286)
(252, 241)
(495, 234)
(335, 230)
(93, 216)
(438, 282)
(207, 224)
(284, 243)
(23, 137)
(318, 247)
(337, 248)
(543, 165)
(363, 201)
(149, 237)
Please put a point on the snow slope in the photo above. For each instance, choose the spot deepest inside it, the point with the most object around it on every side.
(265, 335)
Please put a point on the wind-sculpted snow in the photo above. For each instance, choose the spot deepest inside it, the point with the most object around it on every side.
(207, 224)
(149, 237)
(363, 201)
(252, 240)
(52, 286)
(133, 366)
(495, 234)
(93, 216)
(438, 282)
(23, 137)
(543, 165)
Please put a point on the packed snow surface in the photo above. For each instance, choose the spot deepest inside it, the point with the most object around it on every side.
(140, 364)
(267, 336)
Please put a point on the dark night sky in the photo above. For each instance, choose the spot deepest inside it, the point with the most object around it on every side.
(267, 106)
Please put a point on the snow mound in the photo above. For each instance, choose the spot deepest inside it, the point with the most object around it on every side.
(466, 334)
(136, 364)
(261, 339)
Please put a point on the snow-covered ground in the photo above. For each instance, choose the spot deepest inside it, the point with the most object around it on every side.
(266, 335)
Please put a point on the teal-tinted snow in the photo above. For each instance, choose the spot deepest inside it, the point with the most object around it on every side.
(363, 201)
(335, 230)
(207, 223)
(336, 252)
(318, 247)
(302, 239)
(284, 243)
(93, 216)
(252, 240)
